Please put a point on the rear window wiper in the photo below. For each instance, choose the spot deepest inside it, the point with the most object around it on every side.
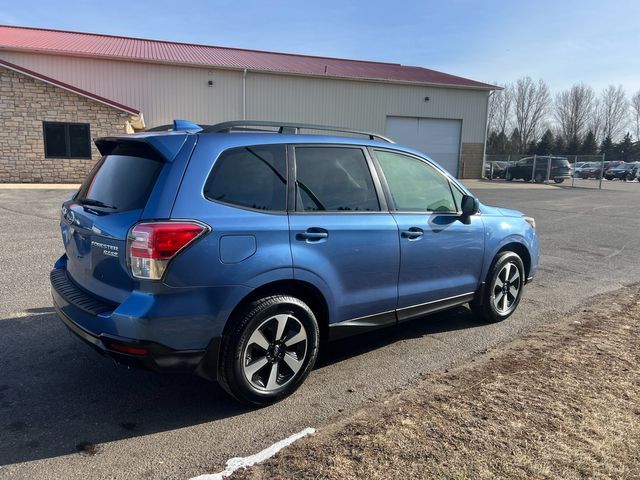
(95, 203)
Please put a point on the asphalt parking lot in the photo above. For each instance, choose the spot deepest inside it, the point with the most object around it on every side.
(65, 412)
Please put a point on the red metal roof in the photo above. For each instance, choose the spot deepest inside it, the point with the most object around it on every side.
(138, 49)
(66, 86)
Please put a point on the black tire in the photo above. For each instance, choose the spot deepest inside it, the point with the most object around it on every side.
(485, 306)
(558, 180)
(235, 345)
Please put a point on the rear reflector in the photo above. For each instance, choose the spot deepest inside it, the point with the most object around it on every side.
(151, 245)
(121, 347)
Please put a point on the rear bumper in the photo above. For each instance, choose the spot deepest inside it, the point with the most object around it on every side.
(78, 311)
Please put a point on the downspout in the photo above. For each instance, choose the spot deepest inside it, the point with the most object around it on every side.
(244, 94)
(486, 135)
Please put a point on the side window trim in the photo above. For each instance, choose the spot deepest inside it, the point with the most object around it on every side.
(295, 206)
(387, 191)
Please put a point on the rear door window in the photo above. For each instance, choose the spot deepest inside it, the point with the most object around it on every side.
(250, 177)
(122, 182)
(334, 179)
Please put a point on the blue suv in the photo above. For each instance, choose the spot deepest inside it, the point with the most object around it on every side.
(231, 251)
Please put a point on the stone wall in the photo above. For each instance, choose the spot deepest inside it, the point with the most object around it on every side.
(24, 104)
(471, 165)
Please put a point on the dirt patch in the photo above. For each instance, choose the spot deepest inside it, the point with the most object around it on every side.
(560, 403)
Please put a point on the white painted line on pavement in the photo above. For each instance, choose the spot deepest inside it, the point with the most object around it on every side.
(237, 463)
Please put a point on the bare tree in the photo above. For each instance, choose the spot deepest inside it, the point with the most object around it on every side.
(615, 109)
(573, 109)
(500, 108)
(635, 110)
(595, 122)
(531, 104)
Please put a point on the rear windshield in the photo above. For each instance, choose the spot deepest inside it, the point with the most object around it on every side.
(560, 162)
(123, 182)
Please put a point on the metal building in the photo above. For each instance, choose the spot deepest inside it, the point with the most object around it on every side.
(59, 88)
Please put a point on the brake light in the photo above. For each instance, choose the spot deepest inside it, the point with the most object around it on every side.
(150, 246)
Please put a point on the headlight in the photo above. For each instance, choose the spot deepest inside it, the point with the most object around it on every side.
(531, 221)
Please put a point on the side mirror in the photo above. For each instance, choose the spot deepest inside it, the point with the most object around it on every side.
(470, 205)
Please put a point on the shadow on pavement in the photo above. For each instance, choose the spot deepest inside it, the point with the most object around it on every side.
(59, 397)
(456, 319)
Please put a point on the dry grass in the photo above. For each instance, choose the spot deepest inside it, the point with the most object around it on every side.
(561, 403)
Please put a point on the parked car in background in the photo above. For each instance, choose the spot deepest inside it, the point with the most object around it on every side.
(608, 165)
(623, 171)
(211, 250)
(498, 167)
(558, 169)
(591, 170)
(577, 168)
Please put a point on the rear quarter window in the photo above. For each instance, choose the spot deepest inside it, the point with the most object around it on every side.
(250, 177)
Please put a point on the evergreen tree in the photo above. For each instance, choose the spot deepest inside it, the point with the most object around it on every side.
(546, 144)
(589, 145)
(514, 142)
(573, 146)
(625, 149)
(560, 147)
(502, 143)
(492, 142)
(606, 147)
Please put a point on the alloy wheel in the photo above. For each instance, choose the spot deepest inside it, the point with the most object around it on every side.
(275, 352)
(506, 288)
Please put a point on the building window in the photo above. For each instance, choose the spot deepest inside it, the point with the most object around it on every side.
(66, 140)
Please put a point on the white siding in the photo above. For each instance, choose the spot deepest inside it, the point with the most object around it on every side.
(160, 92)
(363, 105)
(165, 92)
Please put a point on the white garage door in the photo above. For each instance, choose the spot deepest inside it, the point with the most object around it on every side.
(438, 138)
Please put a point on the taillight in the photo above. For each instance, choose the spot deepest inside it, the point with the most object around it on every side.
(150, 246)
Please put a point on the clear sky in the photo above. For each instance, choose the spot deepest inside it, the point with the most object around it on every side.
(562, 41)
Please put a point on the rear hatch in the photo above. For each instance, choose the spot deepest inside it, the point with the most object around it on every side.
(95, 222)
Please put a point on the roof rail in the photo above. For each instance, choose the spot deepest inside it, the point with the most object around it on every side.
(295, 128)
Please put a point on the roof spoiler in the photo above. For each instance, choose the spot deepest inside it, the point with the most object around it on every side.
(177, 126)
(163, 147)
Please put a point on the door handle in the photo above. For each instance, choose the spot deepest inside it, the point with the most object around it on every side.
(313, 235)
(413, 233)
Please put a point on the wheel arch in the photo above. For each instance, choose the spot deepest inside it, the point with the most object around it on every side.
(522, 251)
(302, 290)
